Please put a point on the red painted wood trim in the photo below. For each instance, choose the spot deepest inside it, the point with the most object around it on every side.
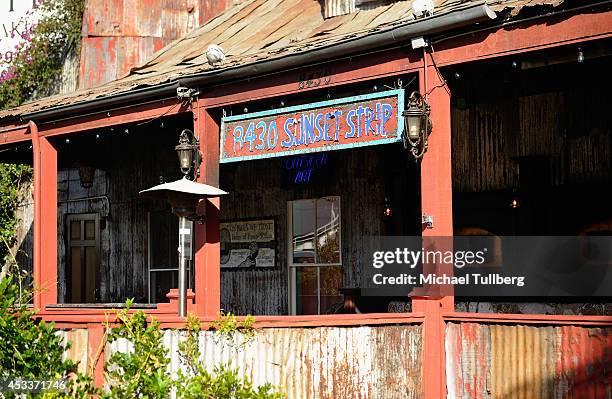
(528, 318)
(345, 71)
(48, 222)
(15, 133)
(96, 336)
(208, 248)
(434, 360)
(173, 321)
(538, 34)
(36, 166)
(128, 114)
(436, 200)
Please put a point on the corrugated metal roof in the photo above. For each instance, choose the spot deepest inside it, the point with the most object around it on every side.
(255, 31)
(515, 361)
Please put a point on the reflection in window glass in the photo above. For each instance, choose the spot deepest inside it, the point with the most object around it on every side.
(303, 216)
(328, 227)
(315, 255)
(306, 290)
(330, 282)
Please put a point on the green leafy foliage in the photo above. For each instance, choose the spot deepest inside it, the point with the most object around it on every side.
(223, 382)
(29, 348)
(12, 180)
(142, 371)
(39, 59)
(228, 326)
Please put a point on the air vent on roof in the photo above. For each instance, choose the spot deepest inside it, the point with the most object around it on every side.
(334, 8)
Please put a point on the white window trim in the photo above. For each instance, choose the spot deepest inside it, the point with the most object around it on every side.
(292, 267)
(150, 270)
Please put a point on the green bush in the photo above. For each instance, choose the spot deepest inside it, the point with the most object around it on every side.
(223, 382)
(142, 372)
(29, 348)
(12, 180)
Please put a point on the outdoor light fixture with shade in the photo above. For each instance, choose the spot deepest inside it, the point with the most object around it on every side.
(417, 125)
(188, 151)
(183, 196)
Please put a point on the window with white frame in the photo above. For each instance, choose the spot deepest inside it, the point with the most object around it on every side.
(163, 255)
(314, 255)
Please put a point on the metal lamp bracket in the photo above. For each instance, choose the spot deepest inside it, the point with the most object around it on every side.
(427, 221)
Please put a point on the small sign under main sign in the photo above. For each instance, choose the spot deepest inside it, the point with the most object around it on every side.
(368, 119)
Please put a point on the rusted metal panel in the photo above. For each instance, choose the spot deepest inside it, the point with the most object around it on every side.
(335, 8)
(120, 35)
(517, 361)
(79, 346)
(328, 362)
(106, 58)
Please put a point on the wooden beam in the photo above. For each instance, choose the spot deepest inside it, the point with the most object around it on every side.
(302, 80)
(45, 221)
(207, 242)
(537, 34)
(14, 134)
(436, 201)
(525, 36)
(49, 221)
(130, 114)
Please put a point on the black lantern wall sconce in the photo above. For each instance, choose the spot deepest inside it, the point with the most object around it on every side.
(417, 125)
(189, 155)
(86, 175)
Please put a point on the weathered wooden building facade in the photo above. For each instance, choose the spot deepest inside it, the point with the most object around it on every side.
(520, 145)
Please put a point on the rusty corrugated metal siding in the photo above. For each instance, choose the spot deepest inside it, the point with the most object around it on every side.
(250, 31)
(515, 361)
(79, 347)
(335, 8)
(326, 362)
(119, 35)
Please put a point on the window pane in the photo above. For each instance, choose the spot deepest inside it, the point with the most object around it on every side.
(161, 283)
(90, 274)
(164, 240)
(306, 290)
(328, 230)
(90, 229)
(303, 231)
(75, 275)
(75, 230)
(331, 281)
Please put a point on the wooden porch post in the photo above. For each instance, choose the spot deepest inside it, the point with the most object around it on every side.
(45, 219)
(436, 201)
(207, 256)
